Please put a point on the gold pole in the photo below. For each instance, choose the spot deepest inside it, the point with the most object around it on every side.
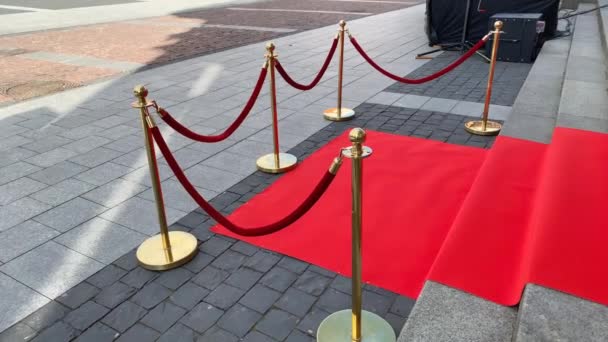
(486, 127)
(357, 137)
(356, 324)
(159, 252)
(275, 162)
(339, 113)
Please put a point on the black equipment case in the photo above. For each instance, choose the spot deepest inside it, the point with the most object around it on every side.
(522, 37)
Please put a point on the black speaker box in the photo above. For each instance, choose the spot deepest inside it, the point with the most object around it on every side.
(522, 38)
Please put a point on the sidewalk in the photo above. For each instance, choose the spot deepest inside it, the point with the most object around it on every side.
(74, 188)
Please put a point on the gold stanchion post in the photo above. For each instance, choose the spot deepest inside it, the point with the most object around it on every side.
(356, 324)
(275, 162)
(166, 250)
(486, 127)
(340, 113)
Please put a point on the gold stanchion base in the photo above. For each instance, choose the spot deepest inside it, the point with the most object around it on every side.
(476, 127)
(151, 254)
(331, 114)
(338, 327)
(286, 162)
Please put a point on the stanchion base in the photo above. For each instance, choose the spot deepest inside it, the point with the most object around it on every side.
(338, 327)
(286, 162)
(151, 254)
(331, 114)
(476, 127)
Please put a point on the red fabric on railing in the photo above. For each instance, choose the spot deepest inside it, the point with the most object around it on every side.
(317, 78)
(183, 130)
(308, 203)
(438, 74)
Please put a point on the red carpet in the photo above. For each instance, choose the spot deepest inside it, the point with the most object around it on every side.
(413, 189)
(528, 213)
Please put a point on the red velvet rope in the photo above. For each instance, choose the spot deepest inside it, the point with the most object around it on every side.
(310, 201)
(317, 78)
(183, 130)
(440, 73)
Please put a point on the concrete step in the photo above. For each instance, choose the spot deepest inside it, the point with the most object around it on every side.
(549, 315)
(584, 98)
(445, 314)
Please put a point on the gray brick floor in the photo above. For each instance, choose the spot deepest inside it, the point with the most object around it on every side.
(468, 82)
(231, 291)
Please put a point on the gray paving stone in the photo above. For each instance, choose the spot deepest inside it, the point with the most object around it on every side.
(217, 334)
(101, 240)
(14, 141)
(202, 317)
(135, 213)
(87, 144)
(412, 101)
(277, 324)
(20, 211)
(87, 314)
(297, 336)
(22, 238)
(468, 108)
(239, 320)
(62, 192)
(174, 278)
(118, 132)
(95, 157)
(78, 295)
(19, 188)
(58, 332)
(295, 302)
(98, 333)
(200, 261)
(376, 303)
(262, 261)
(58, 172)
(107, 276)
(293, 265)
(310, 323)
(229, 261)
(245, 248)
(256, 336)
(51, 269)
(15, 171)
(260, 298)
(215, 246)
(18, 332)
(51, 157)
(70, 214)
(342, 284)
(104, 173)
(127, 262)
(211, 178)
(243, 278)
(114, 295)
(46, 316)
(150, 295)
(134, 159)
(224, 296)
(176, 197)
(178, 333)
(439, 105)
(333, 300)
(47, 143)
(138, 277)
(114, 193)
(312, 283)
(402, 306)
(126, 144)
(163, 316)
(189, 295)
(139, 333)
(124, 316)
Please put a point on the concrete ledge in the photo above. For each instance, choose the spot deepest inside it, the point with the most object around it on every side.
(549, 315)
(445, 314)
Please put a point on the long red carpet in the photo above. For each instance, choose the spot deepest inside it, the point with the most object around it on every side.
(484, 222)
(413, 189)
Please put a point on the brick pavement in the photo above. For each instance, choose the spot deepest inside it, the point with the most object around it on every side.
(75, 189)
(468, 82)
(232, 291)
(154, 41)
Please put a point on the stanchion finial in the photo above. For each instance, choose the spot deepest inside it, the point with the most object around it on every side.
(357, 135)
(498, 25)
(342, 23)
(270, 47)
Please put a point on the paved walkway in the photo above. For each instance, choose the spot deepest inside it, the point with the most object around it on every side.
(74, 188)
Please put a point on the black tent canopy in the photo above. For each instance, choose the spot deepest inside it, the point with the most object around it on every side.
(445, 18)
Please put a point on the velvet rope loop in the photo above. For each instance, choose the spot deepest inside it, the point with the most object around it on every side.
(183, 130)
(317, 78)
(425, 79)
(308, 203)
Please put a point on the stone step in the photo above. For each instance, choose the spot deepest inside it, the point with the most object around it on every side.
(445, 314)
(549, 315)
(584, 100)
